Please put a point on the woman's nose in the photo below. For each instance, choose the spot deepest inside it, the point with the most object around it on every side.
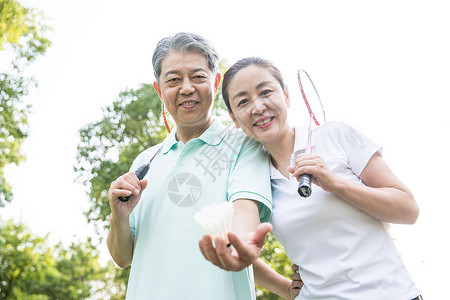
(258, 106)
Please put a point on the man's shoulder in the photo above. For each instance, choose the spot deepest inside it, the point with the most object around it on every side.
(146, 155)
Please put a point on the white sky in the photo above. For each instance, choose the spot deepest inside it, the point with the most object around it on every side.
(382, 66)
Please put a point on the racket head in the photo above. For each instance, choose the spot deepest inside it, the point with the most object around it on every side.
(311, 98)
(167, 118)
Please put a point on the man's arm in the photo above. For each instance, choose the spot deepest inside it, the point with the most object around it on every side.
(120, 241)
(120, 238)
(247, 238)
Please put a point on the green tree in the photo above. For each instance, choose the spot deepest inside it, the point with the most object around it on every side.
(31, 269)
(108, 147)
(21, 42)
(22, 260)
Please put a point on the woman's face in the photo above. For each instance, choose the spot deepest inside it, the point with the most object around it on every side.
(259, 104)
(187, 87)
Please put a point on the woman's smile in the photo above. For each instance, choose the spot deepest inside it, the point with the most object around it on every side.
(264, 122)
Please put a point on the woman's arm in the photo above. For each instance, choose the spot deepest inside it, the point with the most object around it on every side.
(383, 196)
(267, 278)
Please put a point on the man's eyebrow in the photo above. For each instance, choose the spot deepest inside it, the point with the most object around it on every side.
(176, 72)
(171, 72)
(258, 86)
(197, 70)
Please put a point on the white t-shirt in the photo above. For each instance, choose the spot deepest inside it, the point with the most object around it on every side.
(342, 252)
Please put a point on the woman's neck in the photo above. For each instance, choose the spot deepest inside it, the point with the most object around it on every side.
(281, 151)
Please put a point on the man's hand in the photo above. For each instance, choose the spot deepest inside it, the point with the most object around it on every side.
(126, 185)
(245, 251)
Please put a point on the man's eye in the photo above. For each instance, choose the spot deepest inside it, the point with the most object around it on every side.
(199, 78)
(172, 80)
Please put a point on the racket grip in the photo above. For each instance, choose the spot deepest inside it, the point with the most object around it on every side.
(140, 173)
(304, 185)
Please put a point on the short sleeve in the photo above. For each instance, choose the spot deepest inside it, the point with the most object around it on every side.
(250, 178)
(358, 147)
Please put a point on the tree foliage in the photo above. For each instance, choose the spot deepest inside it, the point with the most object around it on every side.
(108, 147)
(31, 269)
(21, 42)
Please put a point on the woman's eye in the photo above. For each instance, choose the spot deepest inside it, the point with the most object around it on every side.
(242, 102)
(266, 92)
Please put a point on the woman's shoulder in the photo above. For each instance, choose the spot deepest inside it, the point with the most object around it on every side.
(333, 126)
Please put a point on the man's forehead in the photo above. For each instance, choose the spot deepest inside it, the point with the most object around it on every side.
(184, 61)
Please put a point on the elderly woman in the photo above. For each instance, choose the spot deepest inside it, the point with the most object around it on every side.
(338, 236)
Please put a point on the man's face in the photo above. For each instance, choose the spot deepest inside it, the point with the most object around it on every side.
(187, 87)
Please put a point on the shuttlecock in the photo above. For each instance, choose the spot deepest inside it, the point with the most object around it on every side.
(216, 219)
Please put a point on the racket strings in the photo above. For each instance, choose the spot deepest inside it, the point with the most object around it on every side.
(305, 99)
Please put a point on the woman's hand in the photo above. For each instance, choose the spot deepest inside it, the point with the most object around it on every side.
(296, 284)
(313, 164)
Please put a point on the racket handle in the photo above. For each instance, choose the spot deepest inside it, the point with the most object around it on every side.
(140, 173)
(304, 185)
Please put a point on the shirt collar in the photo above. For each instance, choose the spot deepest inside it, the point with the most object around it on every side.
(301, 139)
(213, 135)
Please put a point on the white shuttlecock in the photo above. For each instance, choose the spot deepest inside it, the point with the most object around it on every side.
(216, 219)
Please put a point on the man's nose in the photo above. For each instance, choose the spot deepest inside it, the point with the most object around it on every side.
(187, 87)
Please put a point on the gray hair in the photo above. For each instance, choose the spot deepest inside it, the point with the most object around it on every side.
(184, 42)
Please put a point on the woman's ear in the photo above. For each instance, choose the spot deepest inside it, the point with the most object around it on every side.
(234, 120)
(286, 94)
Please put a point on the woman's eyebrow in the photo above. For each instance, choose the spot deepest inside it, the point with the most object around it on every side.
(239, 95)
(258, 86)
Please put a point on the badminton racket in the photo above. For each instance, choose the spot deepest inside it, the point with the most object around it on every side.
(316, 118)
(142, 170)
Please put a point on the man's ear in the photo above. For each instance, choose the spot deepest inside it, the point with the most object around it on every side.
(234, 120)
(217, 83)
(158, 91)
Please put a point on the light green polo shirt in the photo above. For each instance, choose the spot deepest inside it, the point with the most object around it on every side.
(221, 165)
